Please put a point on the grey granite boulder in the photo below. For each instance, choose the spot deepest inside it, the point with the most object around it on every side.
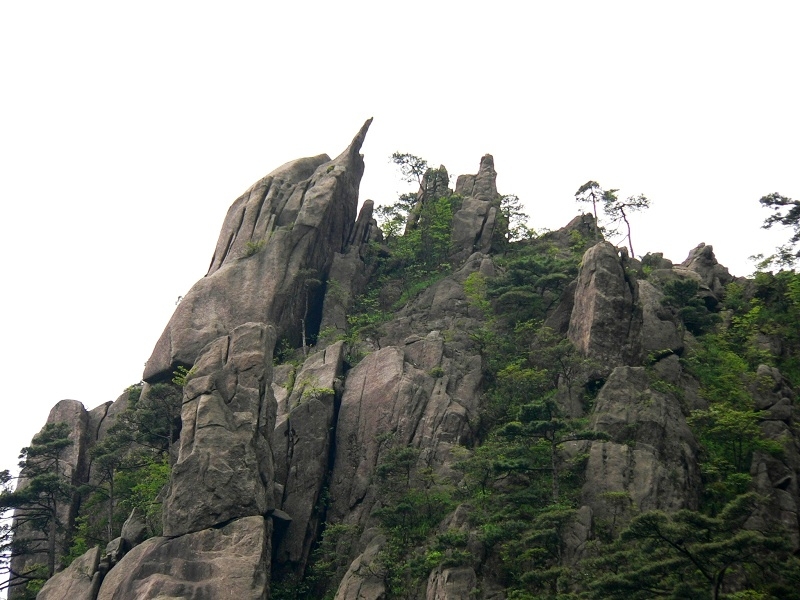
(660, 333)
(651, 454)
(76, 581)
(302, 448)
(455, 583)
(701, 260)
(474, 223)
(225, 466)
(286, 227)
(226, 563)
(606, 318)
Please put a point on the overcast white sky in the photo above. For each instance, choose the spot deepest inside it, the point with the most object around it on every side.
(127, 129)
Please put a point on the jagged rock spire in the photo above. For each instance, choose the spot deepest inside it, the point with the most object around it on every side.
(285, 227)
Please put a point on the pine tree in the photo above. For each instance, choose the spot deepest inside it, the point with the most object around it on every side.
(40, 500)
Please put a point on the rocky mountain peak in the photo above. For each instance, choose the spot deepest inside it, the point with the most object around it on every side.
(336, 415)
(281, 232)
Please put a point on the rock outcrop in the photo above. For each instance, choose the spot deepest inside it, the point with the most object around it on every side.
(302, 441)
(79, 581)
(289, 414)
(281, 232)
(225, 466)
(651, 455)
(715, 277)
(231, 561)
(606, 316)
(474, 223)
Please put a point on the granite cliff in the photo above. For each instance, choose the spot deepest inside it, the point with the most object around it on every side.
(471, 422)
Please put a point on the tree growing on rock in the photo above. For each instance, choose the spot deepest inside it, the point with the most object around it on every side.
(689, 555)
(619, 210)
(40, 503)
(153, 417)
(516, 219)
(590, 192)
(412, 167)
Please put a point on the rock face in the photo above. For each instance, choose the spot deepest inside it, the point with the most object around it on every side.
(224, 469)
(281, 232)
(651, 455)
(659, 333)
(349, 272)
(474, 222)
(606, 316)
(702, 261)
(419, 389)
(452, 584)
(230, 562)
(303, 450)
(775, 477)
(74, 582)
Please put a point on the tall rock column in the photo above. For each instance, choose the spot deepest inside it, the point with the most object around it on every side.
(282, 231)
(474, 222)
(606, 316)
(225, 467)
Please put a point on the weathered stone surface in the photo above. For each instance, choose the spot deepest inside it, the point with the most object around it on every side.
(652, 455)
(777, 478)
(457, 583)
(770, 388)
(656, 260)
(420, 389)
(702, 261)
(134, 529)
(287, 225)
(75, 458)
(349, 274)
(302, 449)
(225, 466)
(669, 370)
(96, 418)
(362, 580)
(231, 562)
(606, 317)
(74, 582)
(778, 483)
(659, 333)
(474, 222)
(581, 229)
(112, 413)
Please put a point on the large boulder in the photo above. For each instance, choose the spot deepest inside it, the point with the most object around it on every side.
(363, 580)
(79, 581)
(455, 583)
(283, 230)
(474, 223)
(225, 466)
(660, 334)
(230, 562)
(606, 318)
(651, 454)
(701, 260)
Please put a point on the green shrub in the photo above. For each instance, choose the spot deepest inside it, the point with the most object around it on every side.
(255, 247)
